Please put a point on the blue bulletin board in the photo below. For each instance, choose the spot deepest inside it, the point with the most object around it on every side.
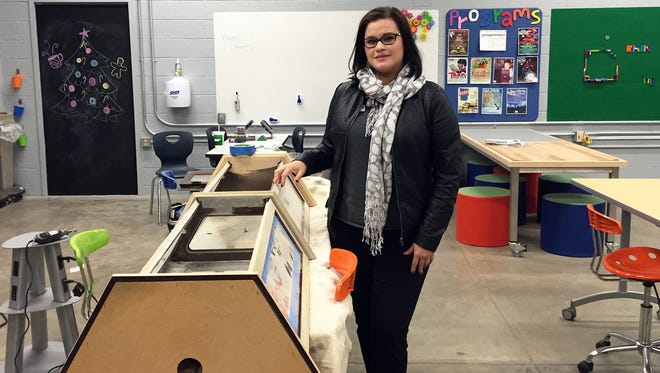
(493, 63)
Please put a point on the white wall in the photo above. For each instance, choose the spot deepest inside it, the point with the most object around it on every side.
(184, 29)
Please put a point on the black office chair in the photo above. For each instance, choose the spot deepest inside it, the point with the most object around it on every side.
(298, 138)
(173, 149)
(214, 159)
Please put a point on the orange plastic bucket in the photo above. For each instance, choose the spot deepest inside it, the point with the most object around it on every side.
(344, 262)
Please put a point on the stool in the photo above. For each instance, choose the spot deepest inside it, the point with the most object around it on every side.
(532, 187)
(554, 183)
(477, 167)
(482, 216)
(638, 263)
(565, 226)
(502, 181)
(28, 271)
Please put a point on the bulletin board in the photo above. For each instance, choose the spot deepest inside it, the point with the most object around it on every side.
(634, 95)
(286, 65)
(493, 63)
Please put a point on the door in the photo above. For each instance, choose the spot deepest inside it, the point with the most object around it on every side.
(87, 98)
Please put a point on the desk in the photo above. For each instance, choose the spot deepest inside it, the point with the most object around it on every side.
(540, 153)
(261, 146)
(633, 196)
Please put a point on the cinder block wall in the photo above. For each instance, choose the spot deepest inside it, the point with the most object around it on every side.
(184, 29)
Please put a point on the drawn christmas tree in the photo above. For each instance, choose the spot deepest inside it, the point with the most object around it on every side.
(89, 91)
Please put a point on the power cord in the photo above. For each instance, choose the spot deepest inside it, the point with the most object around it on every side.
(52, 370)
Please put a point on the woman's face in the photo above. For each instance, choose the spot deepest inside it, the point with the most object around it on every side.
(385, 60)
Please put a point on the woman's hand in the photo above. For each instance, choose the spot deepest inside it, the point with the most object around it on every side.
(422, 258)
(297, 168)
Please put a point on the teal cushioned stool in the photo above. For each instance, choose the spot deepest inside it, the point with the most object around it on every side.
(477, 167)
(565, 226)
(555, 183)
(503, 181)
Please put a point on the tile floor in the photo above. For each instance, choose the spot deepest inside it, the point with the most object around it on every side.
(481, 309)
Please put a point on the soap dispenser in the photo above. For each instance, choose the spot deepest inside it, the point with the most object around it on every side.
(177, 89)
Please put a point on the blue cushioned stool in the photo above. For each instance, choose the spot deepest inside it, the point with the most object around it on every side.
(503, 181)
(555, 183)
(477, 167)
(565, 226)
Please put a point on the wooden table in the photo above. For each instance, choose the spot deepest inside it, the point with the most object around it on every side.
(632, 196)
(539, 153)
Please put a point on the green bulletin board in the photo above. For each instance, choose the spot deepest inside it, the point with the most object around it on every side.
(633, 96)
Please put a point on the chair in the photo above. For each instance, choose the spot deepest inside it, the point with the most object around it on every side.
(214, 159)
(600, 228)
(344, 262)
(633, 263)
(83, 244)
(298, 138)
(173, 155)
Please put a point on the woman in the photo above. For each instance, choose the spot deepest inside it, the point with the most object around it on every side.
(393, 144)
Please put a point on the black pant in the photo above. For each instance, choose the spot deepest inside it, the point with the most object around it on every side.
(384, 297)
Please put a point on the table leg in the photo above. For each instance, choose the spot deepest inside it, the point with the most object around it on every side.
(65, 315)
(38, 323)
(514, 179)
(625, 228)
(14, 348)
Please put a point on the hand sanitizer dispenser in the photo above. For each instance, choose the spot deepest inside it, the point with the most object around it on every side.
(177, 89)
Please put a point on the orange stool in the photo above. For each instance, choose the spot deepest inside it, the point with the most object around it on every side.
(633, 263)
(482, 216)
(344, 262)
(532, 187)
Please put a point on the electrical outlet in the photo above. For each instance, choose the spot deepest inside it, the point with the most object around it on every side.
(145, 142)
(222, 118)
(579, 136)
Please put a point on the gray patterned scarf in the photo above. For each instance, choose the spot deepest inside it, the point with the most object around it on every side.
(385, 102)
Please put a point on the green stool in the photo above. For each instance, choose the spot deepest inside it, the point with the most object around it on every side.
(503, 181)
(476, 167)
(554, 183)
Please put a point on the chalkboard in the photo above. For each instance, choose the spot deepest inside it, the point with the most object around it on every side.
(87, 98)
(275, 59)
(632, 96)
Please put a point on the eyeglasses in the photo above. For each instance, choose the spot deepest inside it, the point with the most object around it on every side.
(387, 39)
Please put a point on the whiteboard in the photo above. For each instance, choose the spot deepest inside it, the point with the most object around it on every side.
(272, 58)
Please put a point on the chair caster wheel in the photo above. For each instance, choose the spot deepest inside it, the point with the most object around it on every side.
(603, 343)
(569, 313)
(585, 367)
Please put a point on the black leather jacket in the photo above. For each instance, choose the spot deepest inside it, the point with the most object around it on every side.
(426, 157)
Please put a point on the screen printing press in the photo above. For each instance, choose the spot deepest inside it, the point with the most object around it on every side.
(235, 285)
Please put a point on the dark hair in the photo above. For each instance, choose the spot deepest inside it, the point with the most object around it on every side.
(411, 56)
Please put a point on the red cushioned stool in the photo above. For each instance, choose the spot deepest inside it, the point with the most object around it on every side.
(482, 216)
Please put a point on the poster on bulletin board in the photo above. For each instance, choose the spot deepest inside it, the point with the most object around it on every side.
(493, 64)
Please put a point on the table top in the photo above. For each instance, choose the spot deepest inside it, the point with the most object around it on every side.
(22, 240)
(638, 196)
(261, 146)
(539, 150)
